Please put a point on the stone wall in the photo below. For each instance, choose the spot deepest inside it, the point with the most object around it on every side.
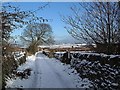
(103, 70)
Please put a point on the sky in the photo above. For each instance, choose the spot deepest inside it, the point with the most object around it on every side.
(58, 0)
(53, 13)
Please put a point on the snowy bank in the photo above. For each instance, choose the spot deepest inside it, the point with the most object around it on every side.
(18, 82)
(103, 70)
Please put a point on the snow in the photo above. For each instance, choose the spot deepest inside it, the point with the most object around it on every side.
(25, 83)
(63, 46)
(29, 63)
(18, 55)
(48, 73)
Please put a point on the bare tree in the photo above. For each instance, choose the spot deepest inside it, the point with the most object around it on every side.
(14, 18)
(37, 34)
(97, 24)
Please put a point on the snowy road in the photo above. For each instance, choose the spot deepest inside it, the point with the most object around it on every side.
(51, 76)
(49, 73)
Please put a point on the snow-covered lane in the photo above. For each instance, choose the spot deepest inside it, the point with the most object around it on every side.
(51, 76)
(48, 73)
(51, 73)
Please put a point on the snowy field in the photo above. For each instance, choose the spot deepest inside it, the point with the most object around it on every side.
(48, 73)
(63, 46)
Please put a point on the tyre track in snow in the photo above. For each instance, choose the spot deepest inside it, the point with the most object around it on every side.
(65, 82)
(48, 76)
(37, 75)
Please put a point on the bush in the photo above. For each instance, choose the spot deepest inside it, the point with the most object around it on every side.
(9, 65)
(32, 49)
(113, 48)
(66, 58)
(22, 60)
